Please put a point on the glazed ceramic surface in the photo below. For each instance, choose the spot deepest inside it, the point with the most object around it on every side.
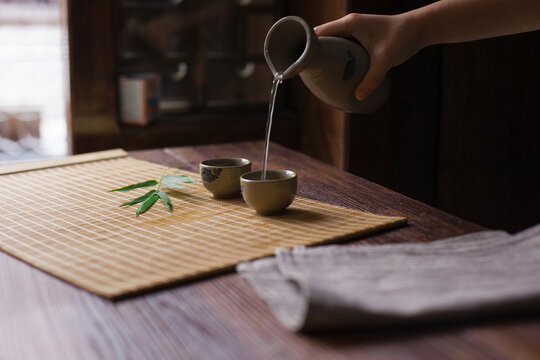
(222, 176)
(331, 67)
(270, 196)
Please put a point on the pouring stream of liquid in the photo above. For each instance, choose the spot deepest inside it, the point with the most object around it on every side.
(277, 80)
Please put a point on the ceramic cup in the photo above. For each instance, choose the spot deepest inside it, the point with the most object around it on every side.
(222, 176)
(270, 196)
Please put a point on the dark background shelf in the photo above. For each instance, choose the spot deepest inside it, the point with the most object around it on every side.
(460, 130)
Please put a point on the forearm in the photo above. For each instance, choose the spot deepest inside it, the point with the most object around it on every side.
(450, 21)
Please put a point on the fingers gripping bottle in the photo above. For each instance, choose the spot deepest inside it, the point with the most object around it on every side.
(331, 67)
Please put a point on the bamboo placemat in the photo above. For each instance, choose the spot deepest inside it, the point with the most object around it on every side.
(63, 221)
(74, 159)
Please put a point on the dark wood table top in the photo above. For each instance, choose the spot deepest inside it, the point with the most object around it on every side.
(221, 317)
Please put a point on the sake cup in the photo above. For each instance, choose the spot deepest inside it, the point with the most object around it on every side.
(272, 195)
(222, 176)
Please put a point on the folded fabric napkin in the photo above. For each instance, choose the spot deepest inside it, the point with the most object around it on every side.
(374, 285)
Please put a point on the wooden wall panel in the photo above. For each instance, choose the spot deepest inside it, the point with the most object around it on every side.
(489, 168)
(397, 145)
(92, 75)
(461, 129)
(324, 129)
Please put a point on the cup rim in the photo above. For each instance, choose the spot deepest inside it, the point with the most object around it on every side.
(215, 163)
(289, 175)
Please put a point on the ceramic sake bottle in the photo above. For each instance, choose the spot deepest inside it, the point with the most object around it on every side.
(331, 67)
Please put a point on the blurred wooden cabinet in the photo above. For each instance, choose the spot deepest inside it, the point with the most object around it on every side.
(215, 83)
(208, 53)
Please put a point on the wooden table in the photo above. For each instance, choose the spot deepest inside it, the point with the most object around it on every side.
(42, 317)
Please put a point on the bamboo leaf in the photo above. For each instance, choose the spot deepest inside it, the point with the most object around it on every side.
(136, 186)
(149, 199)
(165, 199)
(160, 180)
(178, 179)
(139, 199)
(172, 186)
(147, 204)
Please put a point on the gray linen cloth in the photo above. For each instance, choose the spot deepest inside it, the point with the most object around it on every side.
(375, 285)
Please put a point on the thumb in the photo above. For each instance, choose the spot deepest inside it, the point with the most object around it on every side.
(339, 27)
(371, 80)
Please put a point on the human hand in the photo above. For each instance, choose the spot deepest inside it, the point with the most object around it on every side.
(389, 40)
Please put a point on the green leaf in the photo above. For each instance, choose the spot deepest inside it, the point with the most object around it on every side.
(173, 186)
(160, 180)
(165, 199)
(178, 179)
(136, 186)
(149, 199)
(139, 199)
(147, 204)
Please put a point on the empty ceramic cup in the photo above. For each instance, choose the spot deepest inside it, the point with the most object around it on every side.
(269, 196)
(222, 176)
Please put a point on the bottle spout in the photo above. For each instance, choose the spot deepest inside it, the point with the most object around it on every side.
(288, 46)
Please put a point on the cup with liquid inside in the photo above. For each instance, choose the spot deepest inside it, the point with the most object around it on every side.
(222, 176)
(271, 195)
